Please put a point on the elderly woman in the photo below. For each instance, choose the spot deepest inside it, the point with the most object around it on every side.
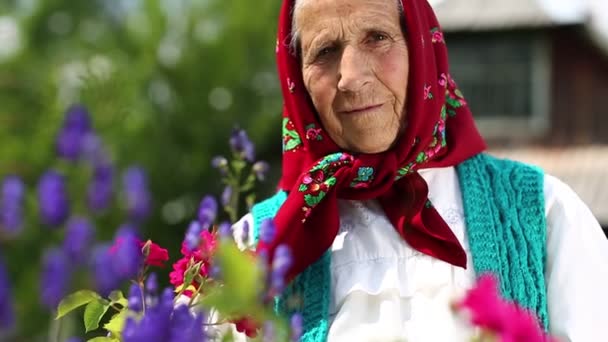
(387, 201)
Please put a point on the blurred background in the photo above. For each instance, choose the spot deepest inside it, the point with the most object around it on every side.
(165, 81)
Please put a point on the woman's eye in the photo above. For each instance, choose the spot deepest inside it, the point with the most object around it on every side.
(379, 37)
(324, 52)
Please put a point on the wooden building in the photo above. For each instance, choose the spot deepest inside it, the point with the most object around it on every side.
(535, 74)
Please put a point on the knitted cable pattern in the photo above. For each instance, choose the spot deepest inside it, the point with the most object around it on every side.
(504, 214)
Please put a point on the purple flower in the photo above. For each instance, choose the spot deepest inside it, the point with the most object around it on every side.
(219, 162)
(76, 125)
(193, 235)
(137, 196)
(135, 302)
(126, 253)
(296, 323)
(240, 144)
(99, 192)
(226, 196)
(152, 283)
(155, 325)
(7, 309)
(207, 212)
(267, 231)
(245, 236)
(78, 238)
(225, 230)
(280, 265)
(53, 199)
(55, 278)
(75, 339)
(186, 327)
(102, 263)
(260, 169)
(269, 332)
(11, 204)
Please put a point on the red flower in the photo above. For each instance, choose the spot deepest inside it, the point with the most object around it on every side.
(156, 256)
(248, 326)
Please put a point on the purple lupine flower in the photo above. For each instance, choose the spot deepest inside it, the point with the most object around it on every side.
(226, 196)
(137, 195)
(53, 199)
(79, 235)
(260, 169)
(281, 264)
(193, 235)
(75, 339)
(152, 283)
(219, 162)
(269, 332)
(102, 263)
(93, 149)
(100, 189)
(240, 144)
(186, 327)
(76, 125)
(11, 204)
(296, 323)
(55, 278)
(245, 236)
(155, 325)
(126, 253)
(7, 309)
(207, 212)
(225, 230)
(267, 231)
(135, 302)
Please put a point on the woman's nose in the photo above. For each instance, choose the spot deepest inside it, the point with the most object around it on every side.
(354, 70)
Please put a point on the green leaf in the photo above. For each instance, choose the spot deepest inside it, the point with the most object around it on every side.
(94, 313)
(242, 282)
(291, 144)
(192, 272)
(116, 323)
(238, 164)
(75, 300)
(118, 298)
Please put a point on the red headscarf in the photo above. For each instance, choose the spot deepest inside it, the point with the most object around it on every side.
(440, 132)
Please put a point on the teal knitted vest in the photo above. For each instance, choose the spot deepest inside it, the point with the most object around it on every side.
(505, 219)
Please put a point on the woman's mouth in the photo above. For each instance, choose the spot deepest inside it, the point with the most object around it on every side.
(361, 109)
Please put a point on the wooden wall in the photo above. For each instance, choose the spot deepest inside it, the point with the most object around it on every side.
(579, 108)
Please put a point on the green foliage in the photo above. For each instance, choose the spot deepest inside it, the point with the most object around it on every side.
(93, 314)
(74, 301)
(242, 283)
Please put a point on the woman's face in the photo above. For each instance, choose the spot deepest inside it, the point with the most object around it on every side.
(355, 68)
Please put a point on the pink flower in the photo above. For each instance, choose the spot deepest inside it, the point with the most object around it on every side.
(437, 37)
(427, 93)
(505, 319)
(307, 179)
(203, 253)
(312, 133)
(443, 80)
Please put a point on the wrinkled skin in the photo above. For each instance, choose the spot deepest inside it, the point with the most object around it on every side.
(355, 68)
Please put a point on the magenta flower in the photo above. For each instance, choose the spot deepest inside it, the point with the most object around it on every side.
(505, 319)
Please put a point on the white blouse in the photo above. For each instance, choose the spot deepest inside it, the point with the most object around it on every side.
(383, 290)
